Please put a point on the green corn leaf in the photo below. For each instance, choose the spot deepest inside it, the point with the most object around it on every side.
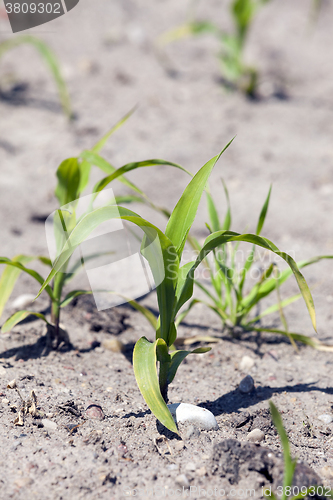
(132, 166)
(49, 58)
(212, 212)
(145, 371)
(101, 143)
(227, 219)
(68, 175)
(12, 278)
(177, 357)
(263, 212)
(275, 307)
(250, 258)
(18, 317)
(289, 463)
(221, 237)
(163, 265)
(184, 213)
(98, 161)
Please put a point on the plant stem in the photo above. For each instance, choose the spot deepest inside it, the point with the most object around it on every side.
(55, 308)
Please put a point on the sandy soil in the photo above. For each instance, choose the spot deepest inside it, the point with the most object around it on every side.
(110, 62)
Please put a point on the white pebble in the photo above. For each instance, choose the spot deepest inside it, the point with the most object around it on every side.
(186, 413)
(5, 401)
(182, 481)
(23, 301)
(48, 424)
(327, 419)
(246, 385)
(255, 436)
(246, 364)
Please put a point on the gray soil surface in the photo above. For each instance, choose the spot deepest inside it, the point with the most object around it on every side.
(99, 439)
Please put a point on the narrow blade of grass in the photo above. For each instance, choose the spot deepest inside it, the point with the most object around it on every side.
(51, 61)
(18, 317)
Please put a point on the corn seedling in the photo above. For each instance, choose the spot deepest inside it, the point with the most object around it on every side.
(288, 490)
(235, 72)
(226, 293)
(50, 60)
(174, 283)
(73, 177)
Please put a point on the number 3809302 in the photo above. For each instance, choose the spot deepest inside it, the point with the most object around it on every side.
(32, 8)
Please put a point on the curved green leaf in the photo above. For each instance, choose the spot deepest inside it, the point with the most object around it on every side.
(268, 286)
(31, 272)
(18, 317)
(132, 166)
(145, 371)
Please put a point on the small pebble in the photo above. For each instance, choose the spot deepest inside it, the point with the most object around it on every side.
(191, 414)
(172, 466)
(49, 415)
(192, 432)
(113, 345)
(201, 472)
(327, 419)
(327, 472)
(190, 466)
(182, 481)
(95, 412)
(23, 301)
(246, 385)
(246, 364)
(49, 425)
(5, 401)
(255, 436)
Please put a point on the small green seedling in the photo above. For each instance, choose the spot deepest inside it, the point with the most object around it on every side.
(174, 283)
(51, 61)
(235, 72)
(226, 291)
(73, 177)
(287, 490)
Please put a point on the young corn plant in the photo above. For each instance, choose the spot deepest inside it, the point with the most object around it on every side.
(156, 363)
(236, 73)
(288, 490)
(228, 293)
(50, 60)
(73, 177)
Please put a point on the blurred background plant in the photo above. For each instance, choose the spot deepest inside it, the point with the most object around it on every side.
(236, 73)
(50, 60)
